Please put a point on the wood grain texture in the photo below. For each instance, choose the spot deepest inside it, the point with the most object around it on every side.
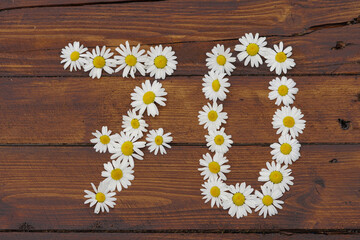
(42, 188)
(67, 110)
(188, 236)
(31, 39)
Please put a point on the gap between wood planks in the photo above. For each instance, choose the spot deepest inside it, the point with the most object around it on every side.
(172, 144)
(196, 75)
(289, 232)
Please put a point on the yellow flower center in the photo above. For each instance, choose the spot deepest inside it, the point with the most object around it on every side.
(99, 62)
(215, 191)
(215, 85)
(289, 122)
(219, 139)
(127, 148)
(285, 148)
(280, 57)
(160, 61)
(267, 200)
(100, 197)
(149, 97)
(74, 56)
(135, 123)
(116, 174)
(212, 115)
(159, 140)
(214, 167)
(221, 60)
(238, 199)
(104, 139)
(283, 90)
(276, 177)
(130, 60)
(252, 49)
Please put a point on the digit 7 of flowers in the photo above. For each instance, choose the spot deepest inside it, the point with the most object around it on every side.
(240, 199)
(126, 146)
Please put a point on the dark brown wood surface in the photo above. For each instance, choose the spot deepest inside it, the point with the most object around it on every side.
(47, 115)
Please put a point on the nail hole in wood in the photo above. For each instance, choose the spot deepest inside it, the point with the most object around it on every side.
(320, 182)
(345, 125)
(25, 227)
(334, 160)
(339, 45)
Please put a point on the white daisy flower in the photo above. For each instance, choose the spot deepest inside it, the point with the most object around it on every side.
(220, 60)
(218, 141)
(127, 148)
(251, 49)
(215, 190)
(134, 124)
(99, 60)
(118, 175)
(267, 201)
(214, 167)
(279, 59)
(288, 120)
(276, 177)
(240, 200)
(157, 140)
(287, 150)
(145, 98)
(102, 198)
(104, 140)
(212, 117)
(215, 86)
(73, 56)
(160, 62)
(130, 60)
(282, 90)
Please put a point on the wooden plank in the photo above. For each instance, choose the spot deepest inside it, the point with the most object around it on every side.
(271, 18)
(42, 188)
(31, 39)
(189, 236)
(67, 110)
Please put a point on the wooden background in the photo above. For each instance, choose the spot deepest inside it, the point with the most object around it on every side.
(47, 115)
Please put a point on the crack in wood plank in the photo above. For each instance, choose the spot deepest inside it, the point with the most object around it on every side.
(306, 31)
(79, 4)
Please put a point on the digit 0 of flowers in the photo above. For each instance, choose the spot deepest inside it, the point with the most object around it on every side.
(240, 199)
(126, 146)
